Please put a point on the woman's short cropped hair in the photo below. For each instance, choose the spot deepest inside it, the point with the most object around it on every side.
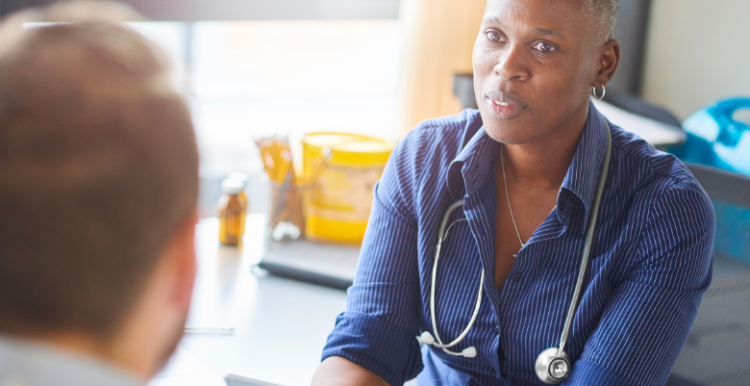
(605, 14)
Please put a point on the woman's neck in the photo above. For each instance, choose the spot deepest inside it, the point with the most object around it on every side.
(543, 164)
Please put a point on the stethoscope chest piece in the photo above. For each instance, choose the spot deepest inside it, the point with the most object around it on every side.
(552, 367)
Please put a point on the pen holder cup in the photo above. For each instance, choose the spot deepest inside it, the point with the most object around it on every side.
(285, 220)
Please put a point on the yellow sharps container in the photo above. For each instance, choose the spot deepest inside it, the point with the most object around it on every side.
(338, 201)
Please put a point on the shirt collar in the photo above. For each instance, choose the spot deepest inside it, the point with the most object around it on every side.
(472, 164)
(477, 158)
(583, 174)
(36, 363)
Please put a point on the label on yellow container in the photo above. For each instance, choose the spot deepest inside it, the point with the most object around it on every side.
(344, 193)
(338, 202)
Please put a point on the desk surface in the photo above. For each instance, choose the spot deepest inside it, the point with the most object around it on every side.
(280, 325)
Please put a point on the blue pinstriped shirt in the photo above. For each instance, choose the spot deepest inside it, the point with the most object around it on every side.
(651, 263)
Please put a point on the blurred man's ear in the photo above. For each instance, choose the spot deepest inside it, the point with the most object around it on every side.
(155, 326)
(170, 302)
(185, 265)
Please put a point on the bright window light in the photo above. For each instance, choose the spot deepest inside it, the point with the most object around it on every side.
(262, 77)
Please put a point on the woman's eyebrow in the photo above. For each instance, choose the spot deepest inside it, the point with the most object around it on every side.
(491, 20)
(547, 31)
(539, 31)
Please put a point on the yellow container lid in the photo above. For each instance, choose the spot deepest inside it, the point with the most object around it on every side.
(348, 149)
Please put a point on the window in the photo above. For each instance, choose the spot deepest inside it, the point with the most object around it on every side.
(249, 78)
(262, 77)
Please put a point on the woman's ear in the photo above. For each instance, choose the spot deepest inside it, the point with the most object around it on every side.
(609, 58)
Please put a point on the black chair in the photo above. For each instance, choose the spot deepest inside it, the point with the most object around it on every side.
(718, 347)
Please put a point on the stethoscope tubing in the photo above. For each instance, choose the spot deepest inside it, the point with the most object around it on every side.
(442, 234)
(575, 299)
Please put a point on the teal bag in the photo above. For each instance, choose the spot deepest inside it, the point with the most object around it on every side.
(715, 140)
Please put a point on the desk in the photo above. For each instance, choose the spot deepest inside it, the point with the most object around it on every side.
(280, 325)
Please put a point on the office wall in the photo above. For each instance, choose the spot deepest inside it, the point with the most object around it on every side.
(697, 51)
(632, 23)
(438, 42)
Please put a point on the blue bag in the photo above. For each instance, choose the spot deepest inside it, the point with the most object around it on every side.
(717, 140)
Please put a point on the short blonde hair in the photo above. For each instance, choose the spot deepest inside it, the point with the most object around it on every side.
(605, 14)
(98, 167)
(107, 11)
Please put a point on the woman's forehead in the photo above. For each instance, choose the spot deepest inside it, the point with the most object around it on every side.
(562, 18)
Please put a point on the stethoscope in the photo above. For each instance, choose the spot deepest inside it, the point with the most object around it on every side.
(553, 365)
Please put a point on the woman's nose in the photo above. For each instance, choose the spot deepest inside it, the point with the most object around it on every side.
(511, 65)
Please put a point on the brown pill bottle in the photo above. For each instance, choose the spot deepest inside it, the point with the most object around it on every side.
(242, 177)
(232, 210)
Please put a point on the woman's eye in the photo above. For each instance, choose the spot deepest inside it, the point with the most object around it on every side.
(493, 36)
(544, 47)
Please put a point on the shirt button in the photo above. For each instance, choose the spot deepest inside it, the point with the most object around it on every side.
(516, 278)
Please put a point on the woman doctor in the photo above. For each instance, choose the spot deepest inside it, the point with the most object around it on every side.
(568, 250)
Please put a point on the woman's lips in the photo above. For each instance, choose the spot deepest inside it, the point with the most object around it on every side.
(505, 110)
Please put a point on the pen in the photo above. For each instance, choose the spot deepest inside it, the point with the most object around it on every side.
(210, 330)
(237, 380)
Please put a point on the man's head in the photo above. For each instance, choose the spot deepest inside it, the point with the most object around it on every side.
(98, 188)
(536, 61)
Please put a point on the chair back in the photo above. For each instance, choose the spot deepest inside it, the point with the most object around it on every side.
(718, 346)
(730, 194)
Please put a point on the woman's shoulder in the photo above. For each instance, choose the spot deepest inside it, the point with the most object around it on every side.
(655, 178)
(439, 138)
(421, 159)
(636, 153)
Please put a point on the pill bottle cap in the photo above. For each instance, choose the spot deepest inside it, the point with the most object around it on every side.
(239, 176)
(231, 186)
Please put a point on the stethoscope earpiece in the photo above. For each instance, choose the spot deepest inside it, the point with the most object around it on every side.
(552, 367)
(469, 352)
(427, 338)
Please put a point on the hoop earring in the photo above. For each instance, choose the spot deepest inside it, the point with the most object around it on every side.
(604, 92)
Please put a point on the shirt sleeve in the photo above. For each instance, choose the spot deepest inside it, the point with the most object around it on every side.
(649, 315)
(379, 327)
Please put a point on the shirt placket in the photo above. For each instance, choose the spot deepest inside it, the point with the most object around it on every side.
(479, 210)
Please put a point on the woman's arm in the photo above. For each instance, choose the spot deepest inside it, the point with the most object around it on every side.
(337, 371)
(378, 330)
(648, 316)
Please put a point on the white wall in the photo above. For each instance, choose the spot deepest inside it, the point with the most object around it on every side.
(697, 51)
